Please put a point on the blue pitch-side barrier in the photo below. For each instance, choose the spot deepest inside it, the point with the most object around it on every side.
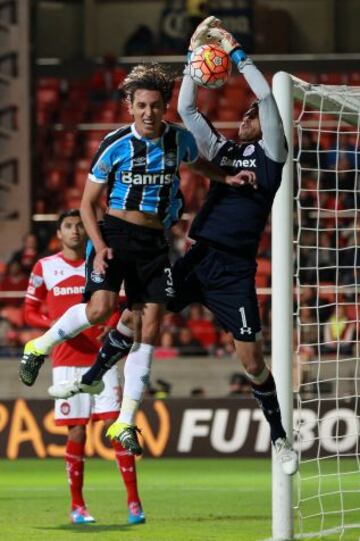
(183, 428)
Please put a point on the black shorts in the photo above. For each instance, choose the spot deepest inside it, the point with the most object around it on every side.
(140, 260)
(222, 282)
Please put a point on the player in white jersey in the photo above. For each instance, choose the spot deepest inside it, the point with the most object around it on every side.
(58, 282)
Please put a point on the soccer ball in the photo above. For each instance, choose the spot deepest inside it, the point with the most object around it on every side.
(210, 66)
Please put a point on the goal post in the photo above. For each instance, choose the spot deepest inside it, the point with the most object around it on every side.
(282, 309)
(316, 261)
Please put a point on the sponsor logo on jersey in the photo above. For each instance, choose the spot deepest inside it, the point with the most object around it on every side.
(96, 277)
(146, 179)
(225, 161)
(36, 281)
(250, 149)
(68, 290)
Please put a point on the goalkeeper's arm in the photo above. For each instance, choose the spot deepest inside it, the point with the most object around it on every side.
(208, 140)
(271, 124)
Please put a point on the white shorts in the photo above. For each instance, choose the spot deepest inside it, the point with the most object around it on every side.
(79, 409)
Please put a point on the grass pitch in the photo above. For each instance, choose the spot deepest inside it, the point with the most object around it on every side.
(184, 500)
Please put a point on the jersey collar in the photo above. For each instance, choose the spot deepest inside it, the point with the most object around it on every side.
(141, 138)
(72, 262)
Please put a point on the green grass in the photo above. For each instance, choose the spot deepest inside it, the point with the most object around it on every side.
(184, 500)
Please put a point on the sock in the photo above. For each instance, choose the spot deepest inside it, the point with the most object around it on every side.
(127, 467)
(116, 346)
(74, 460)
(266, 396)
(71, 323)
(136, 373)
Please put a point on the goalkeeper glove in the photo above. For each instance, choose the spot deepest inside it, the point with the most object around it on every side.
(228, 43)
(200, 35)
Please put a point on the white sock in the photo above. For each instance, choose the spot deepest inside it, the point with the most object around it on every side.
(136, 372)
(126, 331)
(260, 378)
(69, 325)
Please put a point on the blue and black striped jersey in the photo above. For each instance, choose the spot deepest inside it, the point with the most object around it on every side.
(142, 173)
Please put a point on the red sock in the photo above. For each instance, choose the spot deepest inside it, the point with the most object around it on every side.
(74, 459)
(127, 467)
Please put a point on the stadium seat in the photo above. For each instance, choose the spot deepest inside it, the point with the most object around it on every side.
(64, 144)
(80, 177)
(307, 76)
(332, 78)
(47, 97)
(354, 78)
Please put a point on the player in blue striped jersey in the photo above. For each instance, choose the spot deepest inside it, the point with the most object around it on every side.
(219, 270)
(139, 165)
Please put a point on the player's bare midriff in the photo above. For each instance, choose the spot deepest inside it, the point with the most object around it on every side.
(136, 217)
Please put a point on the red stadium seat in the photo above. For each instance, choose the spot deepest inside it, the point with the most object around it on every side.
(49, 82)
(47, 97)
(306, 76)
(80, 177)
(332, 78)
(354, 78)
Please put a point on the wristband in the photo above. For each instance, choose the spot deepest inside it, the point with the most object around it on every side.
(238, 55)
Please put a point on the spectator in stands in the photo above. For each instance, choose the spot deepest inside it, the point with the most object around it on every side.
(307, 257)
(28, 254)
(349, 259)
(161, 390)
(201, 324)
(239, 385)
(327, 257)
(225, 345)
(346, 148)
(339, 333)
(310, 297)
(198, 392)
(309, 332)
(310, 151)
(188, 345)
(106, 80)
(166, 348)
(15, 280)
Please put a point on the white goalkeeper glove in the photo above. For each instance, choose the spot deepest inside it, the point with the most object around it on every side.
(201, 33)
(227, 42)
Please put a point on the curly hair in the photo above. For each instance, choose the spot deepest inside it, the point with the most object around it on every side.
(149, 77)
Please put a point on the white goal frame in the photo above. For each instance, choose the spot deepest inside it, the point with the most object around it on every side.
(285, 92)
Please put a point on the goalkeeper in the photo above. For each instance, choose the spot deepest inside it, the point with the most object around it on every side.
(219, 270)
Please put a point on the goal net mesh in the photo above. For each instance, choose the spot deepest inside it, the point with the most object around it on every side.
(327, 311)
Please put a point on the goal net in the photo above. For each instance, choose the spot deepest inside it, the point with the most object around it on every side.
(326, 161)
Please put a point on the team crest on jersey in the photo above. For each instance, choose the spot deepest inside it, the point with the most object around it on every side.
(65, 408)
(250, 149)
(96, 277)
(36, 281)
(170, 159)
(104, 168)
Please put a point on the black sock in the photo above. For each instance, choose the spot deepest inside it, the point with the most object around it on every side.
(266, 397)
(115, 347)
